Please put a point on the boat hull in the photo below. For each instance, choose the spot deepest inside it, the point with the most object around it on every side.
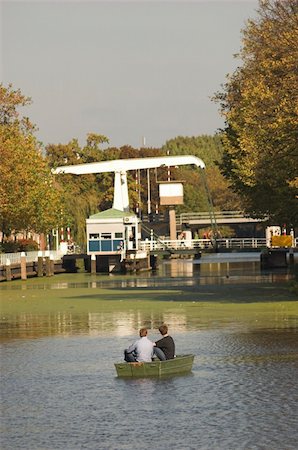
(180, 365)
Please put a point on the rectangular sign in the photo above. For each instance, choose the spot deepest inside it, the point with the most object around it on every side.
(171, 193)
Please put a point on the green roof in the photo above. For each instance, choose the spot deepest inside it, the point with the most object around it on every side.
(111, 214)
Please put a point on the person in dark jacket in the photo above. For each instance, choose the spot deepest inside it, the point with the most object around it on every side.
(165, 347)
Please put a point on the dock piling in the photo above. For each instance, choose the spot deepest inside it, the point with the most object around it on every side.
(93, 264)
(8, 270)
(23, 266)
(39, 264)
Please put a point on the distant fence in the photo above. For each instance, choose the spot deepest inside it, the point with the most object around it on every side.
(15, 258)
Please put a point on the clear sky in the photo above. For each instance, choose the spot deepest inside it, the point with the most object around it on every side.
(125, 69)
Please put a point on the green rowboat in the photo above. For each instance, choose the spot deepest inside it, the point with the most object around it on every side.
(179, 365)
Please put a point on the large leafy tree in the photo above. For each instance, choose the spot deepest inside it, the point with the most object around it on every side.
(260, 105)
(29, 198)
(82, 194)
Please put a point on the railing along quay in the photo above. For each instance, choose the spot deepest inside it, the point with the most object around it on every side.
(156, 244)
(201, 244)
(15, 258)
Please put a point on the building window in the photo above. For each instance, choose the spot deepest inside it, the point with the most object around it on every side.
(106, 235)
(93, 236)
(118, 235)
(94, 246)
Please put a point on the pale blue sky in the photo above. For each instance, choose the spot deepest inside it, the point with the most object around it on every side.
(122, 69)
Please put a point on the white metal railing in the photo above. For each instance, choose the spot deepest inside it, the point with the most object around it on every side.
(200, 244)
(160, 244)
(15, 258)
(241, 243)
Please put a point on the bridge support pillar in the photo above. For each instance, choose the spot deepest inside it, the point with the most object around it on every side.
(93, 264)
(173, 225)
(271, 258)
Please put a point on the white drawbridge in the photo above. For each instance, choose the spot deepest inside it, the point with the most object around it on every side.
(121, 166)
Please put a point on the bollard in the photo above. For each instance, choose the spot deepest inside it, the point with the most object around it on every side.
(23, 266)
(93, 264)
(39, 264)
(8, 270)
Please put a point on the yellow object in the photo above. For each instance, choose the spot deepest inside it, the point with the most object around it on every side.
(282, 241)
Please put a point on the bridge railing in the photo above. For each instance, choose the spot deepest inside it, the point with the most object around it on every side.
(201, 244)
(160, 244)
(204, 216)
(241, 243)
(199, 216)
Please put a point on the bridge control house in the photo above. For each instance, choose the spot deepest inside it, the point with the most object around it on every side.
(111, 235)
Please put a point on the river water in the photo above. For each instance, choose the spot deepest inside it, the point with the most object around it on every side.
(59, 390)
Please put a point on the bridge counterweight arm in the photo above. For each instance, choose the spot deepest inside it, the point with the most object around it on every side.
(121, 166)
(130, 164)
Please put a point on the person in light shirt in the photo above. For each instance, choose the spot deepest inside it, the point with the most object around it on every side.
(141, 350)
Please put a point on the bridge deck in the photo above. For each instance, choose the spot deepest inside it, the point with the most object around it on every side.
(203, 218)
(221, 217)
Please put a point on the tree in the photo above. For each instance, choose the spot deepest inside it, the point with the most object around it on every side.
(259, 103)
(223, 197)
(29, 199)
(10, 101)
(210, 150)
(84, 194)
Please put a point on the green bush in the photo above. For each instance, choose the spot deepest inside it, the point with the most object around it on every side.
(10, 247)
(23, 245)
(27, 245)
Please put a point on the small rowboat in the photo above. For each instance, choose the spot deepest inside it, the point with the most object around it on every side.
(179, 365)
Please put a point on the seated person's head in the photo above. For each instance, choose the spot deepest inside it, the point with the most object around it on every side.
(163, 329)
(143, 332)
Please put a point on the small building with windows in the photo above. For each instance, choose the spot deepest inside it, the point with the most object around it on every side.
(111, 235)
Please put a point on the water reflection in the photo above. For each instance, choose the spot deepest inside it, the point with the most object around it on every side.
(118, 323)
(126, 323)
(206, 279)
(218, 269)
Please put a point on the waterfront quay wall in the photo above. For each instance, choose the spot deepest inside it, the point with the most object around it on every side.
(31, 269)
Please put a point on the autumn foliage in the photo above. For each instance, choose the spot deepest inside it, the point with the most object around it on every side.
(260, 105)
(29, 198)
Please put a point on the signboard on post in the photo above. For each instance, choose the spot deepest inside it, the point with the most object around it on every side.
(171, 193)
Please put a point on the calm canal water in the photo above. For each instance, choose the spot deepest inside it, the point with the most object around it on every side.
(60, 391)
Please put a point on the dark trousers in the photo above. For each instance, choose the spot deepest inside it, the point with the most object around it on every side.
(129, 357)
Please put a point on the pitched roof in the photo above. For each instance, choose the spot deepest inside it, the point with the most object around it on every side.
(111, 214)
